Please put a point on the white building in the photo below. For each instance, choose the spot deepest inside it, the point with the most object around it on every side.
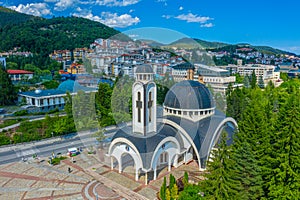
(266, 72)
(217, 78)
(189, 129)
(47, 100)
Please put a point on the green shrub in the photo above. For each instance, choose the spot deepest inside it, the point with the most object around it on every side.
(56, 161)
(21, 113)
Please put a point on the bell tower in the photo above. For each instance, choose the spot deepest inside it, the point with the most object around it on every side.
(144, 101)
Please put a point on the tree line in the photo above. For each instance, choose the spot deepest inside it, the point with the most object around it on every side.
(263, 162)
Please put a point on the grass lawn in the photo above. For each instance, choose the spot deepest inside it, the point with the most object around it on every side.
(10, 122)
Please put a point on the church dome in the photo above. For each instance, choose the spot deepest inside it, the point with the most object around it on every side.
(189, 95)
(144, 69)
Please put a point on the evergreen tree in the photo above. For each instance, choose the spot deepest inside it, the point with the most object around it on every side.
(163, 189)
(261, 83)
(103, 105)
(220, 183)
(172, 181)
(284, 182)
(168, 194)
(7, 92)
(68, 105)
(246, 81)
(254, 125)
(237, 101)
(174, 192)
(185, 179)
(247, 170)
(191, 192)
(253, 80)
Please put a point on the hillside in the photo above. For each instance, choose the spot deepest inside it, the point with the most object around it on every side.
(191, 43)
(45, 35)
(261, 49)
(195, 43)
(11, 17)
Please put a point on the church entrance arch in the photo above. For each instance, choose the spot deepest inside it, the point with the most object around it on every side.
(127, 163)
(126, 155)
(228, 125)
(165, 155)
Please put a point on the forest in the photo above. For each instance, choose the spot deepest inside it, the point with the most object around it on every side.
(263, 162)
(43, 36)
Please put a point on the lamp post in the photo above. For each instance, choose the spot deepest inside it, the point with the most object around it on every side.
(52, 134)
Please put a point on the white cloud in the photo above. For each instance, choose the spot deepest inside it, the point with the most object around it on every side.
(78, 9)
(167, 16)
(116, 2)
(208, 25)
(181, 8)
(51, 1)
(36, 9)
(62, 5)
(111, 19)
(193, 18)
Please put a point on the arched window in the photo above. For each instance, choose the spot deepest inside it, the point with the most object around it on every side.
(150, 102)
(139, 106)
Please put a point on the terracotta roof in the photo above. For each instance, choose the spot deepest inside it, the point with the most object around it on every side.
(18, 71)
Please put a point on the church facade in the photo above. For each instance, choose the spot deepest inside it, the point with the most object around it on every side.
(187, 129)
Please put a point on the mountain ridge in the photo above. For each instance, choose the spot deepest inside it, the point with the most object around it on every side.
(40, 35)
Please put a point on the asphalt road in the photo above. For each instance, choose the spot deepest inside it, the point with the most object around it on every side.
(15, 153)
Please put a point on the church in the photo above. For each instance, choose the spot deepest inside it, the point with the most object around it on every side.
(186, 129)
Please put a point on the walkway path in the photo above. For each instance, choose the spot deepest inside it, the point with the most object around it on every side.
(122, 191)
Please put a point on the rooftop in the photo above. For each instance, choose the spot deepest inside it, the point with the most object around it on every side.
(18, 71)
(189, 95)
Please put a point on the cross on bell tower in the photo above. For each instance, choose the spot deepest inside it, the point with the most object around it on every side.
(144, 101)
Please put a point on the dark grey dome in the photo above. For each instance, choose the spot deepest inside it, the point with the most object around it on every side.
(144, 69)
(189, 95)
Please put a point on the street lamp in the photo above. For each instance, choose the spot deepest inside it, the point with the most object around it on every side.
(52, 134)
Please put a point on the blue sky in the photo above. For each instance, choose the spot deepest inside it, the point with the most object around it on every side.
(274, 23)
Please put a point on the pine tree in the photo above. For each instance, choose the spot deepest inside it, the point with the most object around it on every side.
(246, 81)
(247, 169)
(172, 181)
(254, 125)
(261, 82)
(253, 80)
(220, 183)
(284, 182)
(185, 179)
(168, 194)
(7, 91)
(163, 188)
(174, 192)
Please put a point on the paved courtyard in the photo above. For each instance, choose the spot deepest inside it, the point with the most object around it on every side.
(90, 178)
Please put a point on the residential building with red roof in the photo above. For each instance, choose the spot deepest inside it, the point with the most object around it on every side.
(17, 74)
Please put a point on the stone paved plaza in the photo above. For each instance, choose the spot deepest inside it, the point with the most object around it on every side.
(89, 178)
